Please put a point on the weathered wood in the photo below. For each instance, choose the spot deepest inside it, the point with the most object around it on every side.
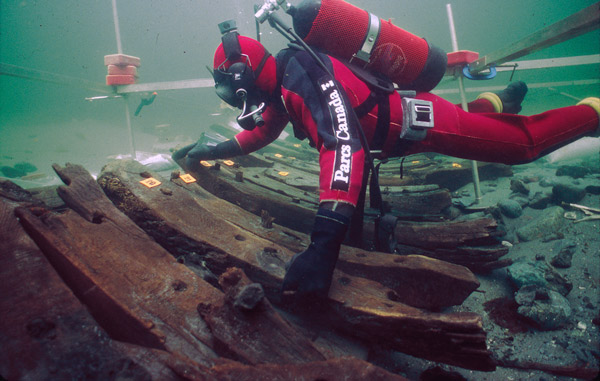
(149, 270)
(417, 200)
(449, 234)
(358, 305)
(408, 276)
(454, 178)
(446, 172)
(416, 280)
(114, 271)
(472, 243)
(219, 180)
(293, 208)
(249, 330)
(349, 369)
(45, 331)
(160, 365)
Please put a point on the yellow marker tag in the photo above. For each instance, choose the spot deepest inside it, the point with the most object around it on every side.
(282, 173)
(297, 145)
(278, 155)
(456, 165)
(292, 157)
(150, 182)
(228, 163)
(415, 161)
(187, 178)
(205, 163)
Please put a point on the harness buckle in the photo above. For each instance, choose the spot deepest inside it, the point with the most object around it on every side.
(417, 118)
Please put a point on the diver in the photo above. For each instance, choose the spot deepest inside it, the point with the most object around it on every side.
(329, 107)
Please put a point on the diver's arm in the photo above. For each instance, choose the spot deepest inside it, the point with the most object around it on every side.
(252, 140)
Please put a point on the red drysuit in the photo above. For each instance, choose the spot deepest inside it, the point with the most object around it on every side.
(318, 108)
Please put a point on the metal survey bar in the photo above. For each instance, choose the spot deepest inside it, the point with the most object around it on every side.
(481, 89)
(171, 85)
(579, 23)
(551, 62)
(44, 76)
(208, 82)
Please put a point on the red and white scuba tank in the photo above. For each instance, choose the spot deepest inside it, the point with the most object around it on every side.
(348, 32)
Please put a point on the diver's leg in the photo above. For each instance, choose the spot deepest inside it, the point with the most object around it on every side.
(506, 101)
(503, 138)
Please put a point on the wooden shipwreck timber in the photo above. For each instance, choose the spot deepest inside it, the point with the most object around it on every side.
(172, 282)
(285, 189)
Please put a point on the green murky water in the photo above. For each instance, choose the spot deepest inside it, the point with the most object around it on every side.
(59, 47)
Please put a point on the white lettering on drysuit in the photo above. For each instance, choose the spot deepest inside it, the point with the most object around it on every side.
(341, 174)
(343, 161)
(341, 132)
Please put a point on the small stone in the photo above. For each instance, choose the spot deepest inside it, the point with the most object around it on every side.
(519, 186)
(567, 193)
(249, 296)
(510, 208)
(546, 225)
(551, 313)
(573, 171)
(564, 258)
(540, 200)
(593, 189)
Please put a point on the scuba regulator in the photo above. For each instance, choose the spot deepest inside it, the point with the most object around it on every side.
(235, 84)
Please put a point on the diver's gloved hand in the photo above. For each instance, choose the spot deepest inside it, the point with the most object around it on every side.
(310, 272)
(196, 152)
(509, 100)
(180, 153)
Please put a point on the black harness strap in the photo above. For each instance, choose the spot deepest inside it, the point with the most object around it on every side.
(383, 121)
(382, 100)
(363, 109)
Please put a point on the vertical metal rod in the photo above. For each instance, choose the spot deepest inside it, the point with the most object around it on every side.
(117, 31)
(120, 51)
(463, 100)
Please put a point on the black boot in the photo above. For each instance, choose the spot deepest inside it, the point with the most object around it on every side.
(512, 97)
(509, 100)
(310, 272)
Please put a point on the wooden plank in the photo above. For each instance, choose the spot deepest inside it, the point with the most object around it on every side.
(135, 273)
(248, 326)
(348, 369)
(292, 209)
(280, 205)
(448, 284)
(432, 235)
(413, 200)
(114, 271)
(572, 26)
(45, 331)
(358, 305)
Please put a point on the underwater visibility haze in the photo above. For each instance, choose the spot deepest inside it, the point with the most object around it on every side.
(56, 108)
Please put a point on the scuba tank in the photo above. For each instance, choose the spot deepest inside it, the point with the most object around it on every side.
(350, 33)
